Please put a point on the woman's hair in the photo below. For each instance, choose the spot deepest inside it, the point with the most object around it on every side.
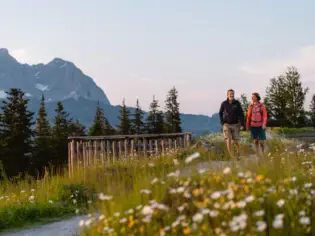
(257, 96)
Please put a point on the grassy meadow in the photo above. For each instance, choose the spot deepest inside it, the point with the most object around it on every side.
(272, 196)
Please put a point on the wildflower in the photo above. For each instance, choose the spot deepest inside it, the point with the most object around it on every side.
(32, 190)
(250, 198)
(139, 207)
(305, 220)
(227, 170)
(180, 189)
(151, 164)
(123, 220)
(31, 198)
(145, 191)
(240, 174)
(259, 213)
(302, 213)
(192, 157)
(198, 217)
(147, 210)
(261, 226)
(129, 212)
(213, 213)
(278, 221)
(154, 180)
(307, 185)
(201, 171)
(241, 204)
(77, 211)
(215, 195)
(174, 174)
(280, 203)
(103, 197)
(293, 179)
(116, 214)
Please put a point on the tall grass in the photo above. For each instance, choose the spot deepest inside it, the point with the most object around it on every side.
(155, 197)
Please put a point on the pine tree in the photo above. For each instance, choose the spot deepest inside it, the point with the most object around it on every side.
(16, 133)
(109, 130)
(76, 128)
(98, 126)
(276, 102)
(245, 104)
(172, 114)
(137, 125)
(60, 134)
(312, 111)
(43, 138)
(155, 119)
(295, 97)
(125, 125)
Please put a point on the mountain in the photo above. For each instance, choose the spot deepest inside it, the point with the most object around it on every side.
(84, 110)
(58, 80)
(62, 80)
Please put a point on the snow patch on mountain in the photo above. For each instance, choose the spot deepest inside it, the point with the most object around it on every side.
(37, 74)
(41, 87)
(64, 65)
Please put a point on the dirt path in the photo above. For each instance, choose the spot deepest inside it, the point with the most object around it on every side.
(67, 227)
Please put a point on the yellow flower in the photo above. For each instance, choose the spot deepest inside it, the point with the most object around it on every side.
(259, 178)
(187, 231)
(196, 192)
(141, 229)
(131, 222)
(246, 189)
(204, 227)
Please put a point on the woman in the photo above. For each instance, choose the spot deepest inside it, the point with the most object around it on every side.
(256, 122)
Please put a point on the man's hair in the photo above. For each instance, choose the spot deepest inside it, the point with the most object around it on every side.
(230, 90)
(257, 96)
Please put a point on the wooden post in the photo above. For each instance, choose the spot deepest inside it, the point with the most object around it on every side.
(72, 154)
(163, 148)
(102, 155)
(95, 152)
(84, 157)
(180, 142)
(156, 147)
(150, 147)
(132, 147)
(78, 153)
(144, 147)
(126, 147)
(114, 149)
(169, 144)
(69, 158)
(108, 150)
(90, 152)
(119, 149)
(175, 144)
(188, 140)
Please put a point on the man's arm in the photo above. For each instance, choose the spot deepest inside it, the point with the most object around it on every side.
(221, 113)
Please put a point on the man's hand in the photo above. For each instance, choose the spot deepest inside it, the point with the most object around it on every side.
(242, 127)
(264, 126)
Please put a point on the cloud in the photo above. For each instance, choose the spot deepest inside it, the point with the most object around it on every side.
(303, 59)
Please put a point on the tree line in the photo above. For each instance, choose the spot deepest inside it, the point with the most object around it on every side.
(31, 145)
(285, 101)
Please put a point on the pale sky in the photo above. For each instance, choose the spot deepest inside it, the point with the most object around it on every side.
(139, 48)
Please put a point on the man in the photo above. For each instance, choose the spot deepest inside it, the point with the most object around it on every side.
(232, 118)
(256, 122)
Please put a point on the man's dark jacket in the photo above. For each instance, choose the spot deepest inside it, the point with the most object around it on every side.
(231, 113)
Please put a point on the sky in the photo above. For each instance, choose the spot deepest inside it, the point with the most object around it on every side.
(140, 49)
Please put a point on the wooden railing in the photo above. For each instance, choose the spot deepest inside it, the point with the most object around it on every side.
(307, 136)
(92, 150)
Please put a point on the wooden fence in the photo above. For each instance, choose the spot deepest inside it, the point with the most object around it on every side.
(92, 150)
